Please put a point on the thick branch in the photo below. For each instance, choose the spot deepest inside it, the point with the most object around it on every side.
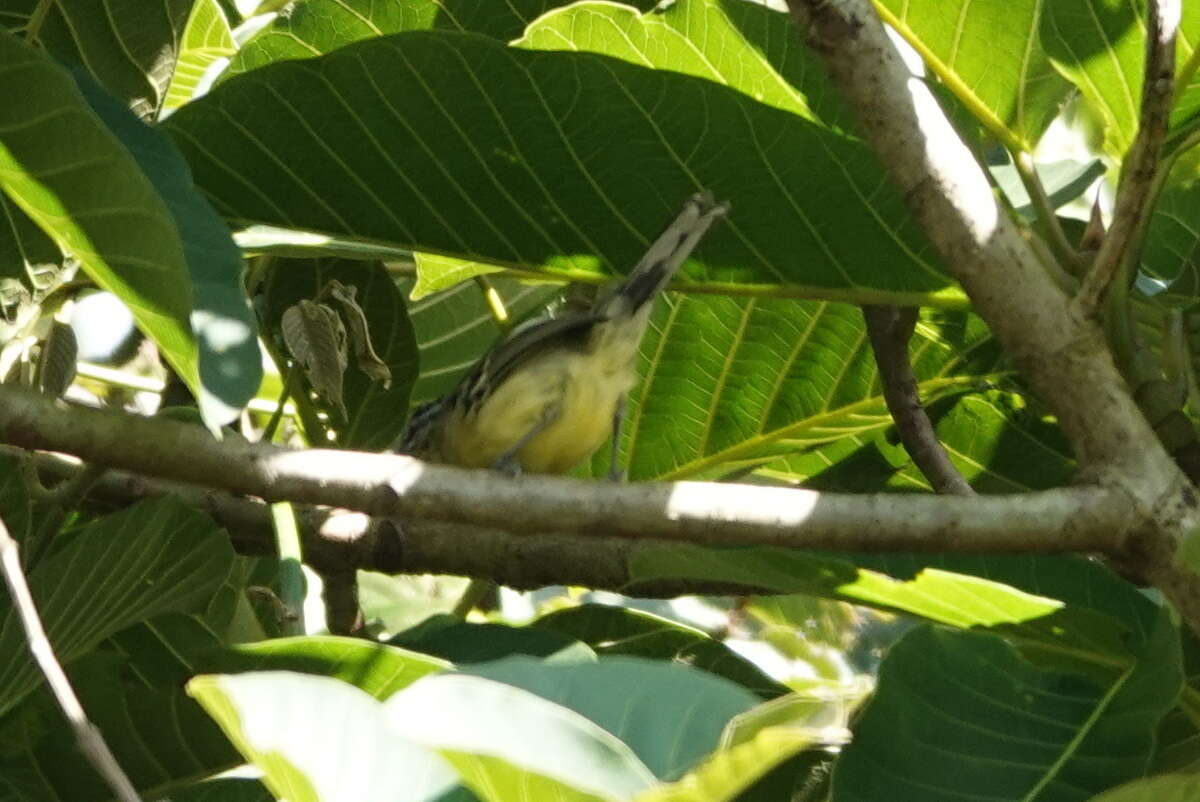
(1141, 162)
(890, 328)
(1072, 519)
(338, 541)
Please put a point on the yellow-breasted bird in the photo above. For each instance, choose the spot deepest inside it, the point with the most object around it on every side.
(546, 396)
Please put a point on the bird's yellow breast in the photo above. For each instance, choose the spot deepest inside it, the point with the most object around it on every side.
(574, 391)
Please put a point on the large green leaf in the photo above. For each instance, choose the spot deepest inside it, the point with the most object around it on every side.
(128, 47)
(670, 715)
(495, 154)
(729, 382)
(155, 557)
(509, 744)
(961, 715)
(990, 56)
(68, 172)
(318, 739)
(376, 414)
(989, 436)
(230, 367)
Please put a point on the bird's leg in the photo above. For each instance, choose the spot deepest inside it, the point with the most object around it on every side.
(615, 472)
(508, 462)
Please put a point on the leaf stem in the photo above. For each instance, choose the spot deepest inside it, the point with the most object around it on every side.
(1047, 221)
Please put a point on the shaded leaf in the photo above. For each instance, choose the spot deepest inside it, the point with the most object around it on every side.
(451, 638)
(104, 210)
(154, 557)
(620, 630)
(961, 714)
(526, 128)
(129, 47)
(671, 716)
(230, 366)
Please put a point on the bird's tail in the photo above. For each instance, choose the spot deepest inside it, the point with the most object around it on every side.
(665, 256)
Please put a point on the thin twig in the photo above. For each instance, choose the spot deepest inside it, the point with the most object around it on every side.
(1047, 222)
(1142, 161)
(889, 329)
(91, 743)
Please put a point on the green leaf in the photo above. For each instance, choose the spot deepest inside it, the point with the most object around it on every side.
(729, 382)
(72, 176)
(511, 744)
(990, 56)
(315, 27)
(960, 714)
(378, 669)
(225, 791)
(318, 739)
(1171, 248)
(162, 739)
(155, 557)
(1063, 611)
(130, 49)
(230, 367)
(671, 716)
(376, 413)
(1166, 788)
(501, 177)
(730, 771)
(1099, 45)
(451, 638)
(619, 630)
(206, 39)
(435, 273)
(993, 439)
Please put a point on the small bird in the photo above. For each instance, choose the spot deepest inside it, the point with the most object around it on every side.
(546, 396)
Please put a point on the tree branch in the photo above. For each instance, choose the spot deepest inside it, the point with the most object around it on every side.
(889, 329)
(91, 742)
(1059, 349)
(1132, 205)
(1069, 519)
